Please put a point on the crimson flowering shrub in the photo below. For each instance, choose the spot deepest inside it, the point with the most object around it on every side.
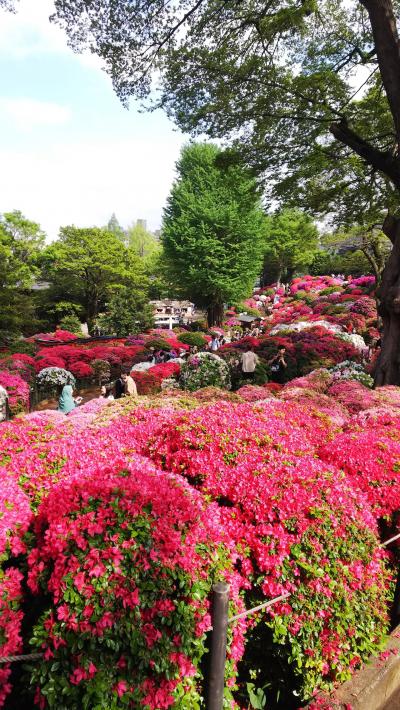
(49, 360)
(81, 369)
(149, 382)
(128, 559)
(146, 382)
(318, 347)
(15, 516)
(364, 305)
(352, 395)
(64, 335)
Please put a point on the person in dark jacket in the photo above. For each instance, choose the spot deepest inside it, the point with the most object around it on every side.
(119, 387)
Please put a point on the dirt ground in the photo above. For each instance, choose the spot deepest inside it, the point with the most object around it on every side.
(87, 394)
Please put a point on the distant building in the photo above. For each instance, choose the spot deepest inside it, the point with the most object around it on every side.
(168, 312)
(40, 286)
(142, 223)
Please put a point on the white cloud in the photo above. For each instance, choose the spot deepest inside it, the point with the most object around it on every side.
(83, 184)
(29, 32)
(28, 113)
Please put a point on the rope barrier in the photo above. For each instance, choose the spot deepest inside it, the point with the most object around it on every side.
(23, 657)
(260, 606)
(392, 539)
(242, 615)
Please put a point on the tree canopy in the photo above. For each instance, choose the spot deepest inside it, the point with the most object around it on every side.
(212, 229)
(290, 243)
(309, 91)
(21, 242)
(86, 266)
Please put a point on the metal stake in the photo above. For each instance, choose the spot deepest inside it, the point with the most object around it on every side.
(216, 681)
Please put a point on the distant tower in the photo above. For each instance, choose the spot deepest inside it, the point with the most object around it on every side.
(142, 223)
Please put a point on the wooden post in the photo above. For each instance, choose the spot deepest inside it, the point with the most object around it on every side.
(216, 679)
(395, 610)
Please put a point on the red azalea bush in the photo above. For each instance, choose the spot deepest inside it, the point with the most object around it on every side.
(81, 369)
(352, 395)
(49, 360)
(15, 516)
(146, 382)
(364, 305)
(149, 381)
(128, 559)
(64, 335)
(252, 393)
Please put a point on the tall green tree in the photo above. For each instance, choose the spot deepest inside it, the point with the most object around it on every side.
(291, 241)
(114, 227)
(312, 83)
(86, 266)
(143, 242)
(212, 230)
(21, 242)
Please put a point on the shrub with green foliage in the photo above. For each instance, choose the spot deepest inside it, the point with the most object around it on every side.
(193, 339)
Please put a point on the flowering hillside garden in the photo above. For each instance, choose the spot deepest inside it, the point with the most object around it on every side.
(116, 521)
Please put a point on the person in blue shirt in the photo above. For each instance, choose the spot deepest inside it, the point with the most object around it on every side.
(66, 401)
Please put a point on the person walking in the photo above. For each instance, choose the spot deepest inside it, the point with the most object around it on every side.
(249, 363)
(278, 365)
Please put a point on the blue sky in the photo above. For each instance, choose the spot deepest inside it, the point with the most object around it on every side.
(69, 152)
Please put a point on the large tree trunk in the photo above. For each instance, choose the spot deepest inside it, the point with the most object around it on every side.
(215, 314)
(388, 367)
(387, 45)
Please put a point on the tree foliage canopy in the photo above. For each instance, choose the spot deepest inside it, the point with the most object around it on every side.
(21, 242)
(86, 266)
(290, 243)
(212, 229)
(308, 90)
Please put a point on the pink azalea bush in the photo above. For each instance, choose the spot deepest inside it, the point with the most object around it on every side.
(300, 526)
(18, 391)
(128, 559)
(15, 516)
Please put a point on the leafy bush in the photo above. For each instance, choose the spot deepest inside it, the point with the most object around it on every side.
(128, 559)
(205, 370)
(193, 339)
(22, 347)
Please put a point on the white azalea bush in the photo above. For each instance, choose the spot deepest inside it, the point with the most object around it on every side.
(349, 370)
(356, 340)
(299, 326)
(54, 377)
(205, 370)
